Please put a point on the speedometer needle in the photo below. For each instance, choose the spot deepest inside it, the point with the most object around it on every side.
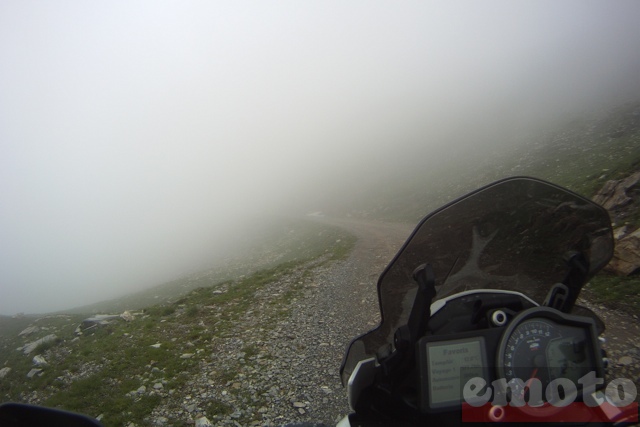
(528, 384)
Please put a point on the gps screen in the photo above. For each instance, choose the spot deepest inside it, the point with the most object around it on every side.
(450, 365)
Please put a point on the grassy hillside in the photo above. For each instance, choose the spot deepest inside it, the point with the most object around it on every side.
(124, 369)
(579, 154)
(283, 240)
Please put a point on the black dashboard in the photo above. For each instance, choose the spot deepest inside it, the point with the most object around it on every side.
(505, 339)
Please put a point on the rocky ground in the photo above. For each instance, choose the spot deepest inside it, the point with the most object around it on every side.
(292, 374)
(622, 342)
(293, 377)
(278, 362)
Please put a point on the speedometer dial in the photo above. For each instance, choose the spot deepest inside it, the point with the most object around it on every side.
(544, 344)
(525, 355)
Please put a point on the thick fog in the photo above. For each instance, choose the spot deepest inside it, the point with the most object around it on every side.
(138, 137)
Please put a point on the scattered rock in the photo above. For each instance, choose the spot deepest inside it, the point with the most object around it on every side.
(158, 386)
(626, 255)
(127, 316)
(98, 320)
(203, 422)
(186, 356)
(625, 360)
(30, 330)
(33, 345)
(141, 390)
(4, 371)
(155, 345)
(35, 371)
(39, 361)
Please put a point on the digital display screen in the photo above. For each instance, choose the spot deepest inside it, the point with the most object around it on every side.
(450, 365)
(569, 356)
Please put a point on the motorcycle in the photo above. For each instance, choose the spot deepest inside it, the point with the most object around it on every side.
(479, 321)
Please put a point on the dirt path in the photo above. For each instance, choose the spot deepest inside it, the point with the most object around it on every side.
(378, 242)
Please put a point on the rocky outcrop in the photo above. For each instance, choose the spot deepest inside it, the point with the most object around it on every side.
(28, 331)
(35, 344)
(102, 320)
(615, 195)
(621, 198)
(626, 256)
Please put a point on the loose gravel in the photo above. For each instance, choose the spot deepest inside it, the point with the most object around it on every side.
(279, 367)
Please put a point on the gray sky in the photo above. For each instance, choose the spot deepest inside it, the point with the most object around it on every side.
(135, 134)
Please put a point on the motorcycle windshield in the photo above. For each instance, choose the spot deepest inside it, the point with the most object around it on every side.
(511, 235)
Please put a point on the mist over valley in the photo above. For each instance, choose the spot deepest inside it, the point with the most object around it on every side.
(140, 146)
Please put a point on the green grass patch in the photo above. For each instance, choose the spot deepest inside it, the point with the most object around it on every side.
(100, 394)
(619, 292)
(95, 373)
(215, 407)
(250, 351)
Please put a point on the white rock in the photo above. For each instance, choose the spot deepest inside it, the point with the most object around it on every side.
(33, 345)
(155, 345)
(35, 371)
(203, 422)
(127, 316)
(625, 360)
(39, 361)
(29, 331)
(4, 372)
(186, 356)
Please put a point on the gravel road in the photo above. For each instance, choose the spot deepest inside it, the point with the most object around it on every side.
(339, 303)
(344, 303)
(271, 369)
